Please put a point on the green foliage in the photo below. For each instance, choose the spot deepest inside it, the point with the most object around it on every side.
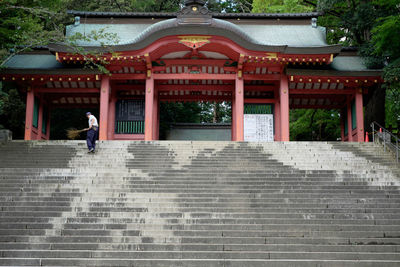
(386, 36)
(392, 83)
(235, 6)
(373, 27)
(314, 125)
(12, 110)
(25, 24)
(280, 6)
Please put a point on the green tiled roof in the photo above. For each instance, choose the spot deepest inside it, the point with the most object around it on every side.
(29, 61)
(291, 35)
(348, 63)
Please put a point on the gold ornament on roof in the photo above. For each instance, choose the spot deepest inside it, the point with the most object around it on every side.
(194, 42)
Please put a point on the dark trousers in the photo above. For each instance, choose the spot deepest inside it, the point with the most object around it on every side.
(91, 138)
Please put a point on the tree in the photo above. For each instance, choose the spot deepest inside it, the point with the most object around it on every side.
(280, 6)
(372, 26)
(314, 125)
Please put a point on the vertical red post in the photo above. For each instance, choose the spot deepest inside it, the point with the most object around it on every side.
(111, 115)
(40, 120)
(277, 118)
(349, 124)
(360, 116)
(233, 123)
(155, 114)
(284, 108)
(239, 109)
(104, 104)
(30, 99)
(148, 121)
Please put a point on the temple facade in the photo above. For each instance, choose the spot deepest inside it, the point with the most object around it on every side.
(263, 64)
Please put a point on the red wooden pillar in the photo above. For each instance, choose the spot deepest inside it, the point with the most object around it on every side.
(104, 104)
(239, 109)
(148, 121)
(349, 124)
(360, 116)
(111, 116)
(277, 119)
(284, 108)
(30, 100)
(155, 114)
(233, 124)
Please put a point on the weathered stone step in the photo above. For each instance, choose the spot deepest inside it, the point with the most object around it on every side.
(63, 262)
(197, 254)
(162, 228)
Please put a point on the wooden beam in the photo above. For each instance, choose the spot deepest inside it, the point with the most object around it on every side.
(315, 107)
(262, 77)
(197, 87)
(320, 92)
(259, 101)
(195, 98)
(190, 62)
(193, 76)
(67, 90)
(128, 76)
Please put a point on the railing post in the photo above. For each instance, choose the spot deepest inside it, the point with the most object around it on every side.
(373, 132)
(384, 140)
(397, 150)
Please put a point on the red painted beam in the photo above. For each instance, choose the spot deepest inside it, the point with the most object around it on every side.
(67, 90)
(128, 76)
(196, 98)
(259, 101)
(321, 92)
(191, 62)
(200, 87)
(193, 76)
(262, 77)
(315, 107)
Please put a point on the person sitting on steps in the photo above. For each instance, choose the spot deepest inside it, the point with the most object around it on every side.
(92, 132)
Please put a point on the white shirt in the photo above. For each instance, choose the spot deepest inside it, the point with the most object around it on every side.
(93, 121)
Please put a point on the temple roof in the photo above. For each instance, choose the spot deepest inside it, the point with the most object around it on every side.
(257, 34)
(91, 14)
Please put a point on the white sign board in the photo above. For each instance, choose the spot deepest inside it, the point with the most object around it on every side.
(259, 127)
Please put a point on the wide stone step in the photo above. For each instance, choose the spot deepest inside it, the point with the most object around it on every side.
(197, 255)
(194, 262)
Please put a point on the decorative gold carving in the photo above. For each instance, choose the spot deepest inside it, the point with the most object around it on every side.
(194, 42)
(272, 55)
(240, 74)
(148, 73)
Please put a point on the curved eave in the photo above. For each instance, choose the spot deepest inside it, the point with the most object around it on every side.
(59, 71)
(332, 49)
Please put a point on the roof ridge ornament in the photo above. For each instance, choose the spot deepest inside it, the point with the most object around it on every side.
(194, 12)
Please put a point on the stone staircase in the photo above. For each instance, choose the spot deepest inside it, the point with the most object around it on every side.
(198, 204)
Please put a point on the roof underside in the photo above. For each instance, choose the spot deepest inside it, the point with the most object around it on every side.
(40, 63)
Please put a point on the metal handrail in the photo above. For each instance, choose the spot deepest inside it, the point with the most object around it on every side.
(386, 143)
